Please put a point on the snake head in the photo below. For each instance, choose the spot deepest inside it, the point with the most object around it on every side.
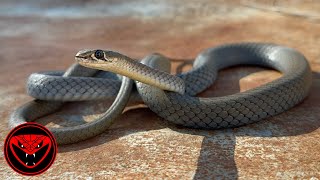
(96, 58)
(91, 56)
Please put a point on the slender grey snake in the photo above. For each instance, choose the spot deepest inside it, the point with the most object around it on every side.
(172, 97)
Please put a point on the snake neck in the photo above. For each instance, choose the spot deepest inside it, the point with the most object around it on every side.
(125, 66)
(135, 70)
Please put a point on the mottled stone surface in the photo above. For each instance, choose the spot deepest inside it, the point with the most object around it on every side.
(45, 35)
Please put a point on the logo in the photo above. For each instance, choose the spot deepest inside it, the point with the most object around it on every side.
(30, 149)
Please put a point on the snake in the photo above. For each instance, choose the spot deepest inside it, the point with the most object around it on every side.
(101, 74)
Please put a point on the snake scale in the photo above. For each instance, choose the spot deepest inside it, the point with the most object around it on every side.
(172, 97)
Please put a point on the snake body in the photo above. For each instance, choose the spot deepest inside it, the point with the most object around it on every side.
(38, 108)
(173, 97)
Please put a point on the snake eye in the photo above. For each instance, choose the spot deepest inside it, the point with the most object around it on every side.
(99, 54)
(21, 145)
(40, 145)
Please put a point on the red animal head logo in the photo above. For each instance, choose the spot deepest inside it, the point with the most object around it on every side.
(30, 149)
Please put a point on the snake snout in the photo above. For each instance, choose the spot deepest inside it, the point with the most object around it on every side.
(85, 56)
(84, 53)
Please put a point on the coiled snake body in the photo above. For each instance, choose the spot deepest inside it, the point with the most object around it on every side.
(171, 97)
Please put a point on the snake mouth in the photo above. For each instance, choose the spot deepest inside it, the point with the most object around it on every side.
(80, 59)
(83, 61)
(87, 60)
(30, 159)
(88, 63)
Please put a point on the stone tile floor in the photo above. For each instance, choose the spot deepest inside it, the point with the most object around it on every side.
(38, 36)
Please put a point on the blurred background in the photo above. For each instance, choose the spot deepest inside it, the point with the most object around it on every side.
(45, 35)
